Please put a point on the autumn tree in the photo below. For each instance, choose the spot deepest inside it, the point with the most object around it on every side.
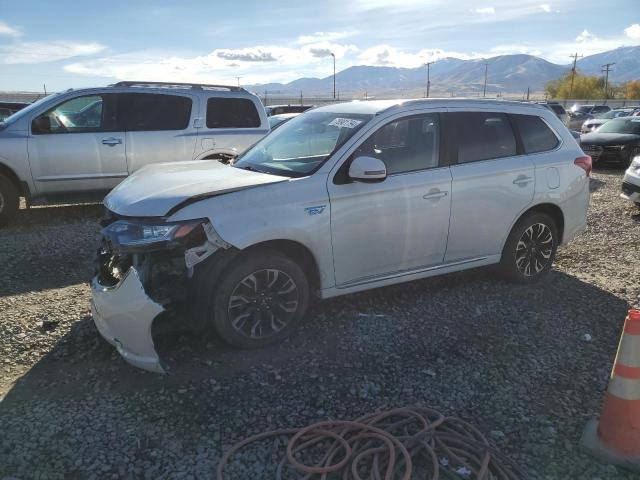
(584, 87)
(632, 89)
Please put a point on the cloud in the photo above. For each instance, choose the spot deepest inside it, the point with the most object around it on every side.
(42, 52)
(633, 32)
(545, 7)
(386, 55)
(247, 55)
(323, 37)
(484, 10)
(586, 36)
(255, 64)
(8, 31)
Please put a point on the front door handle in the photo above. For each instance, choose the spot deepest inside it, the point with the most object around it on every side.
(435, 195)
(112, 142)
(522, 180)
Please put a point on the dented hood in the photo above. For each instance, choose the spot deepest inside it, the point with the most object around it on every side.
(155, 189)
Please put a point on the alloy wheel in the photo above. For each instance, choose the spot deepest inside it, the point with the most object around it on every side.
(263, 303)
(534, 249)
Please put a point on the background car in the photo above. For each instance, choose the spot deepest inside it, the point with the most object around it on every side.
(79, 144)
(580, 113)
(9, 108)
(558, 109)
(617, 141)
(602, 118)
(276, 120)
(631, 182)
(280, 109)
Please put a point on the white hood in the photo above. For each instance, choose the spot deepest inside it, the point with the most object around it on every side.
(155, 189)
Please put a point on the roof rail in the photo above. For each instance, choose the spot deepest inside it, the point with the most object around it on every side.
(193, 86)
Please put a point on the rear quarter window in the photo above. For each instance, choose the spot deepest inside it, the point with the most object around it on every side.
(535, 134)
(232, 113)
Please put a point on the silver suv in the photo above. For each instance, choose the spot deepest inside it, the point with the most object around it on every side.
(339, 199)
(82, 143)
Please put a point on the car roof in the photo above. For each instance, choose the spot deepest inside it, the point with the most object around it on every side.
(379, 106)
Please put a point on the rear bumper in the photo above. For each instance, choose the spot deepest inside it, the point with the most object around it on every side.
(123, 315)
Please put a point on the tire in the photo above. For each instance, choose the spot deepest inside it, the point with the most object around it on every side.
(259, 299)
(530, 260)
(9, 200)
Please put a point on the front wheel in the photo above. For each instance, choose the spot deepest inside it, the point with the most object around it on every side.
(530, 249)
(259, 300)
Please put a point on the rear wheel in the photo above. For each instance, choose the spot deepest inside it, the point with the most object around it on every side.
(259, 299)
(9, 200)
(530, 249)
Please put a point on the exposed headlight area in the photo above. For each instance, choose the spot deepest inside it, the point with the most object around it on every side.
(132, 236)
(156, 250)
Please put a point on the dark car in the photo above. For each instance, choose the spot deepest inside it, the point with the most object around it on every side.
(280, 109)
(9, 108)
(617, 141)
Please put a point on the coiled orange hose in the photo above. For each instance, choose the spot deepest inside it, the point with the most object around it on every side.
(404, 443)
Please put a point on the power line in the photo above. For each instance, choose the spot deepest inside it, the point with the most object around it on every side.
(573, 71)
(428, 64)
(606, 68)
(486, 68)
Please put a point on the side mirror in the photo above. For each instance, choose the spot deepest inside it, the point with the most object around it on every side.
(41, 124)
(367, 169)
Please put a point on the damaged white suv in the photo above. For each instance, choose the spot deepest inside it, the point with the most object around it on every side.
(343, 198)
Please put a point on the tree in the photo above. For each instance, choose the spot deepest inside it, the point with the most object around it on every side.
(584, 87)
(632, 89)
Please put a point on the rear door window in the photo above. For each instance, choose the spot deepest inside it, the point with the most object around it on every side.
(535, 134)
(481, 136)
(153, 112)
(232, 113)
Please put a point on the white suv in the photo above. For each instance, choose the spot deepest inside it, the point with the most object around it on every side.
(340, 199)
(79, 144)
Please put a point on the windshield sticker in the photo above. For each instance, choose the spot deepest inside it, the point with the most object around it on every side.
(345, 123)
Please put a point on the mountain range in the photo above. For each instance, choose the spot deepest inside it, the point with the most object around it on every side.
(505, 74)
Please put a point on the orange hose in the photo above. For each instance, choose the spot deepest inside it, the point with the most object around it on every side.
(385, 446)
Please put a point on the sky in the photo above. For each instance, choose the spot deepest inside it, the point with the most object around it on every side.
(70, 44)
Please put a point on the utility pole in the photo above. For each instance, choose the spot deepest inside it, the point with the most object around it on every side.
(334, 75)
(238, 78)
(428, 78)
(484, 90)
(528, 91)
(606, 68)
(573, 71)
(265, 97)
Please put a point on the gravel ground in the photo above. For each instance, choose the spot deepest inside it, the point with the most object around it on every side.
(513, 360)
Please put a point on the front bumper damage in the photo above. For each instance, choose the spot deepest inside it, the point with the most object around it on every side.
(123, 315)
(131, 290)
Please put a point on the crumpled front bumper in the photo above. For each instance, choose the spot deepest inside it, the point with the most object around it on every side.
(124, 315)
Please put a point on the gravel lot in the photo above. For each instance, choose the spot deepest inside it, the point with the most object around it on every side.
(512, 360)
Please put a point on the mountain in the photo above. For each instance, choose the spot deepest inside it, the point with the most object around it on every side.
(626, 59)
(505, 74)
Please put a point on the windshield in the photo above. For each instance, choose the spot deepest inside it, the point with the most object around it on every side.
(621, 125)
(300, 146)
(584, 109)
(26, 110)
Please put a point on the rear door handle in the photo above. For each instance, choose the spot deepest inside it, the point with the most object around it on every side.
(435, 195)
(112, 141)
(522, 180)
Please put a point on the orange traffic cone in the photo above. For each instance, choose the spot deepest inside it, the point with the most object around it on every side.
(616, 438)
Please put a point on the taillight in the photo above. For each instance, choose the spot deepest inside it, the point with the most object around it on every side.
(584, 163)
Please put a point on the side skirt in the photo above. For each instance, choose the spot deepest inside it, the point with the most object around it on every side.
(407, 276)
